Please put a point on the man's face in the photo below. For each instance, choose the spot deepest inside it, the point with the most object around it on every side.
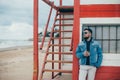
(86, 34)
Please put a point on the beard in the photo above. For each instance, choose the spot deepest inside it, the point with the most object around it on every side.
(86, 38)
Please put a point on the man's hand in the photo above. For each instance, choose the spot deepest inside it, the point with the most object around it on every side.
(86, 54)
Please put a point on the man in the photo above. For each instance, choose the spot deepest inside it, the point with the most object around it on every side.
(90, 56)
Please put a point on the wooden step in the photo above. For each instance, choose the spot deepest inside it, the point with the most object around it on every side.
(57, 61)
(59, 45)
(66, 8)
(63, 38)
(64, 19)
(53, 70)
(66, 13)
(64, 53)
(63, 31)
(63, 25)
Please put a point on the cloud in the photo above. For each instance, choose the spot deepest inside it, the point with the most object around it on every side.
(16, 18)
(17, 31)
(18, 4)
(16, 10)
(22, 11)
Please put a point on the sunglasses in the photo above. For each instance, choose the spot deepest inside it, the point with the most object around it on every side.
(85, 32)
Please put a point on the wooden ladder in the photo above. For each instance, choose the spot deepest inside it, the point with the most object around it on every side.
(61, 26)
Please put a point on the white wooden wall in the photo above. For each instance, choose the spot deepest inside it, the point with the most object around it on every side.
(109, 59)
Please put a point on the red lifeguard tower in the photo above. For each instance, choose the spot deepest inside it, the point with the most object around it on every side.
(102, 16)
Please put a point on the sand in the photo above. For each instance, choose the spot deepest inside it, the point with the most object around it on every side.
(17, 64)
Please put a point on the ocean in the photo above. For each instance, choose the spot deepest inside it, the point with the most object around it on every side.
(14, 43)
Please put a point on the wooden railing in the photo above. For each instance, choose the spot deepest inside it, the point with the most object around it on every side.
(50, 3)
(43, 39)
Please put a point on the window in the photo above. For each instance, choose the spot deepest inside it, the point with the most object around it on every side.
(107, 35)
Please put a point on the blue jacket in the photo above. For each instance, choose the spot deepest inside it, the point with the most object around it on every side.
(95, 53)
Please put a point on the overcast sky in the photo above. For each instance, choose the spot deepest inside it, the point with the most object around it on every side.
(16, 18)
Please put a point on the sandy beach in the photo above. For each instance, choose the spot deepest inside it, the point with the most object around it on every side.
(17, 64)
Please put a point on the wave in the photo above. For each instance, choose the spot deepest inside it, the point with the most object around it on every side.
(14, 43)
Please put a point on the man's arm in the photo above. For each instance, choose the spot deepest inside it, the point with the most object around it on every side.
(79, 52)
(100, 56)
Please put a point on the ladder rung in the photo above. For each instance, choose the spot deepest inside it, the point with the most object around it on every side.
(67, 53)
(55, 61)
(53, 70)
(65, 19)
(60, 45)
(63, 31)
(63, 25)
(63, 38)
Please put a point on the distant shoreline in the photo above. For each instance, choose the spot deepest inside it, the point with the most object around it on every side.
(21, 47)
(15, 48)
(13, 44)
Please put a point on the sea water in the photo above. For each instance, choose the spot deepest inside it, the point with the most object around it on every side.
(14, 43)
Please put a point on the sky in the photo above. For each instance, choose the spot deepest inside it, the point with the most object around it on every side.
(16, 18)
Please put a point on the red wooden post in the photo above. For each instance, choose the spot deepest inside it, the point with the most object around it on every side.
(60, 2)
(35, 42)
(53, 56)
(76, 39)
(60, 22)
